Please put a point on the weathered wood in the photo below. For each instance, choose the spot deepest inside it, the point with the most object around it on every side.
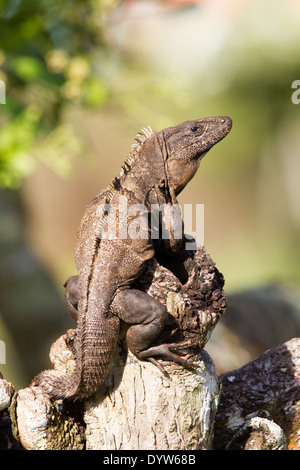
(41, 425)
(147, 411)
(267, 388)
(39, 422)
(7, 392)
(192, 291)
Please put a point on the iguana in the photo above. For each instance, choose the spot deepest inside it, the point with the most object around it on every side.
(158, 167)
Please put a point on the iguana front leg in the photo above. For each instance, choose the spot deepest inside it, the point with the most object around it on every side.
(147, 317)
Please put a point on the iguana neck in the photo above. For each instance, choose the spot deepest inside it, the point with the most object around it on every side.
(147, 178)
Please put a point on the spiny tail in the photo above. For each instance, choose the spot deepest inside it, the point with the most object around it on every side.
(93, 362)
(58, 386)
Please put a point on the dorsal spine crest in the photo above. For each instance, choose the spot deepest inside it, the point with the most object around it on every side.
(140, 138)
(115, 185)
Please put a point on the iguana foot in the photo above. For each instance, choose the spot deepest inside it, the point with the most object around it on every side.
(167, 352)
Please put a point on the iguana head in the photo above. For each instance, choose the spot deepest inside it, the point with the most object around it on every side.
(186, 144)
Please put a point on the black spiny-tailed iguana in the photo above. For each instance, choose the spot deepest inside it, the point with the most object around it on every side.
(159, 166)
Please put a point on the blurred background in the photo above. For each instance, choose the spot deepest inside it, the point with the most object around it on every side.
(81, 78)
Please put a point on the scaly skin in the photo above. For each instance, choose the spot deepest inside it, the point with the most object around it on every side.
(158, 168)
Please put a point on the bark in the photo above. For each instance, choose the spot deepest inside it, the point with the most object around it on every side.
(260, 402)
(41, 425)
(147, 411)
(7, 392)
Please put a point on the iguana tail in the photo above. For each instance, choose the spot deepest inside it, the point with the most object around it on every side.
(96, 345)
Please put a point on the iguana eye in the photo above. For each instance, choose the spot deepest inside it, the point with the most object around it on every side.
(197, 128)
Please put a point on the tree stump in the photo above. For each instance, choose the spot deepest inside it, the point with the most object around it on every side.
(147, 410)
(139, 407)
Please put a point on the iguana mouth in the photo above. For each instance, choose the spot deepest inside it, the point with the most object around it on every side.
(200, 154)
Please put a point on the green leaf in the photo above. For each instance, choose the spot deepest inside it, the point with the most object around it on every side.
(27, 68)
(16, 140)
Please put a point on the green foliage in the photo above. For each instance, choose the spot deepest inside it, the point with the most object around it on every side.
(46, 62)
(16, 140)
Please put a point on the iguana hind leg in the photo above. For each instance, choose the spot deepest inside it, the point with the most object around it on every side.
(147, 317)
(71, 296)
